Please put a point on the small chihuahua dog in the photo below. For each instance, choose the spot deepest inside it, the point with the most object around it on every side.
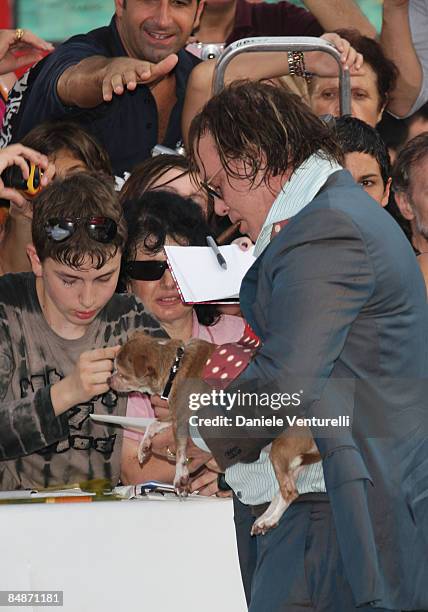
(147, 364)
(159, 366)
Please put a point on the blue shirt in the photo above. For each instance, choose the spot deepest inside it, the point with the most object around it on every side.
(127, 126)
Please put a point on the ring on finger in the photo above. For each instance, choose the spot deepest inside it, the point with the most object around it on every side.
(173, 457)
(170, 455)
(19, 34)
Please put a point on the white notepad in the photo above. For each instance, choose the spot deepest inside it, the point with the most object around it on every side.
(200, 278)
(137, 423)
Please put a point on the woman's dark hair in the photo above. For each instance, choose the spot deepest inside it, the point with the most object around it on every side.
(356, 136)
(51, 137)
(147, 173)
(156, 215)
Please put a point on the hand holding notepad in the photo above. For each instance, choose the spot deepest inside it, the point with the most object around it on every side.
(198, 276)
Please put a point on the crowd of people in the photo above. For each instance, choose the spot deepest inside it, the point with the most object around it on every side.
(336, 210)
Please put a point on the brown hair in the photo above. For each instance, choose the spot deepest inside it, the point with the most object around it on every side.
(266, 127)
(78, 196)
(147, 173)
(51, 137)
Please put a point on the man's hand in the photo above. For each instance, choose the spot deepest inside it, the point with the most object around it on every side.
(206, 483)
(126, 73)
(163, 444)
(10, 42)
(16, 155)
(322, 64)
(88, 379)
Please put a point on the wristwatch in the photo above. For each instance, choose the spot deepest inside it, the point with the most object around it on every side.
(222, 484)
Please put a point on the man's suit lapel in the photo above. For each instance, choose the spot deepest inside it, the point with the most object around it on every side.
(248, 292)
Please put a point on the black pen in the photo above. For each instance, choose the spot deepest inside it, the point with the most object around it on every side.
(213, 245)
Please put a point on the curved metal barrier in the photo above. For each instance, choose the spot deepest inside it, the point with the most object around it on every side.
(284, 43)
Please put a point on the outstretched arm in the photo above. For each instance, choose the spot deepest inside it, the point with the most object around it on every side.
(95, 79)
(268, 65)
(396, 40)
(336, 14)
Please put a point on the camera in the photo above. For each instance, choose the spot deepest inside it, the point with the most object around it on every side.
(12, 177)
(205, 51)
(162, 150)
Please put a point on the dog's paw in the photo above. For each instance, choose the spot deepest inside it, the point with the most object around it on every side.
(263, 524)
(182, 493)
(144, 450)
(182, 483)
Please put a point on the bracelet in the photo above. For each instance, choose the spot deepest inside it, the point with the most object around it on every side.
(296, 65)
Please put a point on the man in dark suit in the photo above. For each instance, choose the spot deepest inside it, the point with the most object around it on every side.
(339, 303)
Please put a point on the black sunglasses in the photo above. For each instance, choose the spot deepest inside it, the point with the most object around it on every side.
(100, 229)
(146, 270)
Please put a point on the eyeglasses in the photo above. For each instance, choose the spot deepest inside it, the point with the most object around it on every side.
(146, 270)
(100, 229)
(210, 190)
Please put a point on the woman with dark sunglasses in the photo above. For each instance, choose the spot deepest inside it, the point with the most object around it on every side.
(162, 218)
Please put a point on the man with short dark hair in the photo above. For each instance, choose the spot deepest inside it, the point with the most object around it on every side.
(60, 327)
(123, 82)
(410, 184)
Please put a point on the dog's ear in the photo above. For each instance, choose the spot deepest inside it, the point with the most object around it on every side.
(143, 368)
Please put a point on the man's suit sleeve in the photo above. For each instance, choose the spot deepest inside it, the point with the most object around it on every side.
(320, 279)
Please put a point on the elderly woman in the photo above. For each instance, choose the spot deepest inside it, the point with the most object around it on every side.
(369, 90)
(162, 218)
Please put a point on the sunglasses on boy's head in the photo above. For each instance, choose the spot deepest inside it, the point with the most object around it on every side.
(146, 270)
(100, 229)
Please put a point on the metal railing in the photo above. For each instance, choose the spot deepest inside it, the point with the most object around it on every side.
(284, 43)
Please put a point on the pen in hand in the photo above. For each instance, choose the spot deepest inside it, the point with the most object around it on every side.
(213, 245)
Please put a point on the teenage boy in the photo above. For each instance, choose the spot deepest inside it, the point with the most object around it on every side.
(60, 327)
(68, 148)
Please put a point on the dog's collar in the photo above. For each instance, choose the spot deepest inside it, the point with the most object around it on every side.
(173, 372)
